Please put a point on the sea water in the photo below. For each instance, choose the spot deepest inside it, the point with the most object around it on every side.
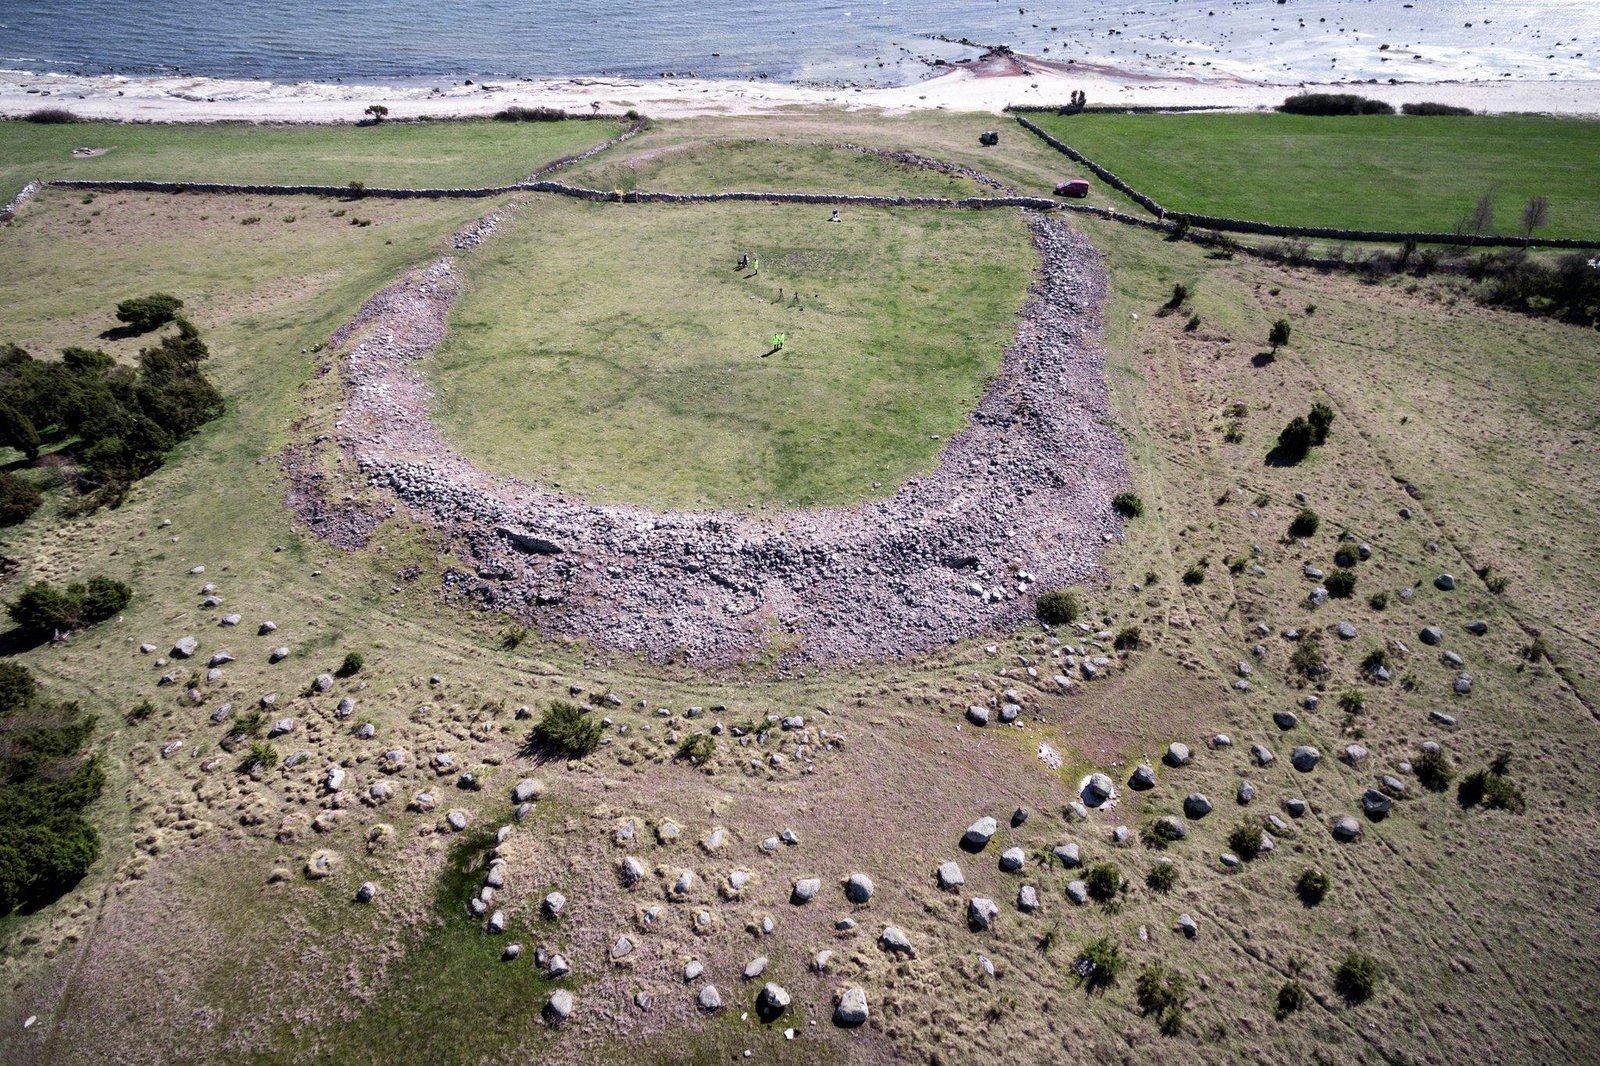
(872, 42)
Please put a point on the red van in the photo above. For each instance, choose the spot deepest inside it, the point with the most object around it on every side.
(1077, 188)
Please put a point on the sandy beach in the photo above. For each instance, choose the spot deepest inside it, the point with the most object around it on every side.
(989, 84)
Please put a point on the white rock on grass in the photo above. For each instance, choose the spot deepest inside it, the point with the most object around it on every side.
(893, 940)
(858, 888)
(709, 998)
(950, 876)
(805, 890)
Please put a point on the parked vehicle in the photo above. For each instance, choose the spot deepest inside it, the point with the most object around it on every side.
(1077, 188)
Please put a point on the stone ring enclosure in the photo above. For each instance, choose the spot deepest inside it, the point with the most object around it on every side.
(1020, 501)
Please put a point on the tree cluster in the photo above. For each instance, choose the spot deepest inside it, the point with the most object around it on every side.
(46, 785)
(122, 419)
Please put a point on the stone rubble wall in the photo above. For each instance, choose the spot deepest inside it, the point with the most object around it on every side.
(1037, 203)
(8, 212)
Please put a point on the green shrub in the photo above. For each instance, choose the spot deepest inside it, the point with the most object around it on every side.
(17, 687)
(1334, 104)
(1493, 789)
(1291, 997)
(1099, 963)
(144, 709)
(1536, 649)
(1104, 881)
(145, 313)
(249, 723)
(1128, 638)
(260, 756)
(1352, 701)
(1425, 107)
(19, 431)
(1341, 584)
(1312, 886)
(356, 190)
(19, 499)
(1305, 524)
(1196, 574)
(1164, 993)
(1306, 659)
(1433, 770)
(43, 610)
(1180, 294)
(1379, 601)
(1321, 420)
(567, 728)
(1162, 877)
(697, 748)
(351, 666)
(1357, 976)
(46, 784)
(52, 116)
(1345, 555)
(512, 638)
(1128, 504)
(1159, 833)
(1245, 840)
(1295, 440)
(1279, 334)
(519, 113)
(1058, 608)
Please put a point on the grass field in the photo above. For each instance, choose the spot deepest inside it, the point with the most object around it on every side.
(1480, 919)
(658, 387)
(691, 165)
(438, 154)
(1367, 172)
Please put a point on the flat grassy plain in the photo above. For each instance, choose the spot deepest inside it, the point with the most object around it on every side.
(436, 154)
(1481, 919)
(660, 386)
(1390, 172)
(695, 165)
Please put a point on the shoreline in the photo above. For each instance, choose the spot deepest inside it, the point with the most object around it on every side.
(987, 84)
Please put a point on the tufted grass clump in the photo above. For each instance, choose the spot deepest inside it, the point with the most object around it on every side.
(1163, 877)
(697, 748)
(1246, 840)
(1305, 524)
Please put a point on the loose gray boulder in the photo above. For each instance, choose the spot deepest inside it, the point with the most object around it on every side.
(1098, 789)
(1196, 805)
(893, 940)
(185, 648)
(560, 1006)
(858, 888)
(1013, 858)
(805, 890)
(979, 833)
(709, 998)
(950, 876)
(851, 1010)
(774, 999)
(1305, 758)
(1178, 754)
(1078, 892)
(981, 911)
(1346, 829)
(1027, 899)
(1376, 804)
(1143, 778)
